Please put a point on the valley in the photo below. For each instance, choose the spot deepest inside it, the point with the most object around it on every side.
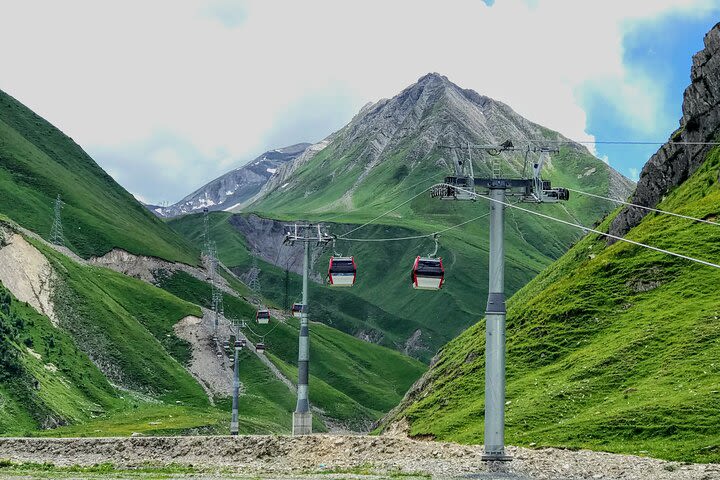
(118, 319)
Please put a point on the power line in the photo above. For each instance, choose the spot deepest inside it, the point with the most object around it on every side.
(625, 142)
(657, 210)
(615, 237)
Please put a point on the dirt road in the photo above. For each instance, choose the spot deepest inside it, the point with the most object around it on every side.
(326, 456)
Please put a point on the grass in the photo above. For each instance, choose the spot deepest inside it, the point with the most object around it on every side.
(612, 348)
(102, 470)
(38, 162)
(373, 376)
(49, 379)
(150, 471)
(382, 305)
(147, 419)
(123, 323)
(352, 380)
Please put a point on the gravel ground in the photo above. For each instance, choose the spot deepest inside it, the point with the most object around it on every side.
(337, 456)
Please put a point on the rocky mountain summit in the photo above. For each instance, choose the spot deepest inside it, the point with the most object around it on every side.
(411, 130)
(234, 187)
(675, 161)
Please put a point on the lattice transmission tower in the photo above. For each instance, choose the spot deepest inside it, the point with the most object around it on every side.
(254, 277)
(56, 232)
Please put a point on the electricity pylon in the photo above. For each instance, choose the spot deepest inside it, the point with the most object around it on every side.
(217, 294)
(206, 232)
(462, 186)
(254, 277)
(56, 232)
(305, 234)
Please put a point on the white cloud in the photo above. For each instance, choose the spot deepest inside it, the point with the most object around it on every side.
(634, 174)
(223, 75)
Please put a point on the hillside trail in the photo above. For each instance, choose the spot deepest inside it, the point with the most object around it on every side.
(328, 456)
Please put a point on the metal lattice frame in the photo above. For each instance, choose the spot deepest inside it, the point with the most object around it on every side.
(56, 232)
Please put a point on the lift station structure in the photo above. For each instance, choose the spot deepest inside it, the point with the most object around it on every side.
(531, 188)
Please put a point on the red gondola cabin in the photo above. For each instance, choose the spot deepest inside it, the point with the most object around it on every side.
(428, 273)
(262, 317)
(297, 309)
(342, 272)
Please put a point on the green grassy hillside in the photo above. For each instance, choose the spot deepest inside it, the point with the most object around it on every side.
(342, 309)
(382, 300)
(45, 380)
(613, 347)
(38, 162)
(352, 381)
(48, 379)
(123, 324)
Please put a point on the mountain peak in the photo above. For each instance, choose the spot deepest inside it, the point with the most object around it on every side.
(408, 131)
(432, 77)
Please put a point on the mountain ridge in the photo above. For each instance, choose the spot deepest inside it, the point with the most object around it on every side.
(437, 112)
(234, 187)
(38, 162)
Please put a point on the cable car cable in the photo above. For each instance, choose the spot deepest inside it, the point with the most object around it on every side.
(416, 237)
(598, 142)
(427, 180)
(657, 210)
(548, 217)
(382, 215)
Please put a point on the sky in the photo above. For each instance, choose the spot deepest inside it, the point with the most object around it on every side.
(168, 94)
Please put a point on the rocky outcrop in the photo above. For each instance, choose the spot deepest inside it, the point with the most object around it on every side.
(152, 269)
(265, 240)
(675, 161)
(26, 273)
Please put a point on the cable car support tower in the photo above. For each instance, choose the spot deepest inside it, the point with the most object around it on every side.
(238, 346)
(532, 189)
(305, 234)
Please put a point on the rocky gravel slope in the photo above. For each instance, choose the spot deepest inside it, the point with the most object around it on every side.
(282, 456)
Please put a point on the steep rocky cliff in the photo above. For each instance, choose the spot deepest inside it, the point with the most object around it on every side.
(675, 161)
